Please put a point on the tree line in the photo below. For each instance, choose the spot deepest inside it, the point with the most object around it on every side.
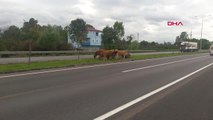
(113, 38)
(32, 36)
(185, 37)
(35, 36)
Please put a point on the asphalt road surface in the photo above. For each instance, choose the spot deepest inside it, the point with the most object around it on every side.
(96, 92)
(192, 101)
(48, 58)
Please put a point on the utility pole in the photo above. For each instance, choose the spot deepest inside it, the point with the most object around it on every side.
(138, 36)
(191, 35)
(201, 34)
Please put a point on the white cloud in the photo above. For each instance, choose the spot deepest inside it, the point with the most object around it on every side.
(148, 17)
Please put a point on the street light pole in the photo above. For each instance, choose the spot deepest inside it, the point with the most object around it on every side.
(201, 34)
(138, 36)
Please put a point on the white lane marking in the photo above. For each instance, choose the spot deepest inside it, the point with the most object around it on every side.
(141, 68)
(24, 93)
(75, 68)
(52, 71)
(107, 115)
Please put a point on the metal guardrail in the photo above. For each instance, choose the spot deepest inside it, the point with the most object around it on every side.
(60, 52)
(42, 52)
(74, 52)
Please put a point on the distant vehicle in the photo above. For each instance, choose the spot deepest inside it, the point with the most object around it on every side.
(211, 50)
(188, 46)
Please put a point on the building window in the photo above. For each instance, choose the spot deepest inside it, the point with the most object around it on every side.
(88, 39)
(96, 33)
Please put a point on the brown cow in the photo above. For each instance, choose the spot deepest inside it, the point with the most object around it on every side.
(98, 53)
(123, 54)
(105, 54)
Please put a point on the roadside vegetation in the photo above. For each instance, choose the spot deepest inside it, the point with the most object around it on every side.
(7, 68)
(36, 37)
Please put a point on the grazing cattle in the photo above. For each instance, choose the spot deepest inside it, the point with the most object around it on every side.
(98, 53)
(105, 54)
(123, 54)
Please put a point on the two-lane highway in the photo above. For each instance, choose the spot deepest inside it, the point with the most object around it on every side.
(191, 101)
(62, 57)
(91, 91)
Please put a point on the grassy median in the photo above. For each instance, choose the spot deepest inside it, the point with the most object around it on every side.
(6, 68)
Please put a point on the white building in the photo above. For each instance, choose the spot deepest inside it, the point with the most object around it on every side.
(93, 40)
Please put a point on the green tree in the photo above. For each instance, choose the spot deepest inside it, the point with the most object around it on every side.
(126, 43)
(129, 38)
(12, 33)
(183, 37)
(78, 30)
(119, 33)
(112, 37)
(50, 38)
(129, 41)
(11, 38)
(53, 38)
(119, 29)
(30, 31)
(31, 34)
(135, 45)
(205, 44)
(2, 45)
(108, 37)
(144, 45)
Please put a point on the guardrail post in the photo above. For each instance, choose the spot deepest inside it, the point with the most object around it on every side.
(30, 49)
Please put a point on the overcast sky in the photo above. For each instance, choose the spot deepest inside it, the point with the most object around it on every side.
(147, 17)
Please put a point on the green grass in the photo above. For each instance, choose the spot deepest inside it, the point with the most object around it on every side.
(150, 56)
(71, 63)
